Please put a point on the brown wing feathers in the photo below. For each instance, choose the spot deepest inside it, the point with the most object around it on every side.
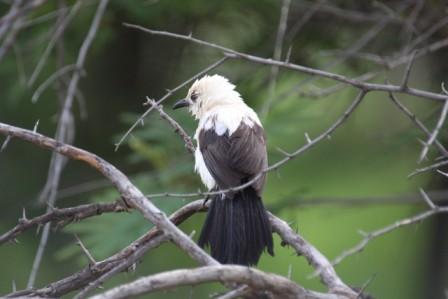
(233, 160)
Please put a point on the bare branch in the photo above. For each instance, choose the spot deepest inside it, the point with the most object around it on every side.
(64, 134)
(85, 250)
(175, 125)
(307, 70)
(427, 199)
(275, 286)
(167, 95)
(153, 238)
(236, 293)
(288, 203)
(434, 134)
(428, 168)
(127, 190)
(30, 5)
(433, 29)
(11, 37)
(50, 80)
(375, 234)
(15, 5)
(443, 173)
(63, 217)
(282, 25)
(5, 143)
(407, 73)
(319, 262)
(101, 271)
(418, 123)
(57, 34)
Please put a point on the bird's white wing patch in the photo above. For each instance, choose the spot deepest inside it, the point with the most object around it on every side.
(201, 168)
(220, 128)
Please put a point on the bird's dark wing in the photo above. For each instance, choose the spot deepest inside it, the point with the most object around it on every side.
(236, 159)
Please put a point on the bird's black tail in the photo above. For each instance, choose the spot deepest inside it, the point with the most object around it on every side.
(237, 229)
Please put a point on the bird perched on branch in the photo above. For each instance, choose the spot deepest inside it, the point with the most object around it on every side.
(231, 151)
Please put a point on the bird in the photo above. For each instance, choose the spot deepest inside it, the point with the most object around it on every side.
(231, 151)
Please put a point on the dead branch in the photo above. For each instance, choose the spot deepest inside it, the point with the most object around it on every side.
(418, 123)
(274, 286)
(316, 259)
(153, 238)
(174, 124)
(62, 217)
(166, 96)
(127, 190)
(428, 168)
(434, 210)
(433, 135)
(299, 68)
(64, 134)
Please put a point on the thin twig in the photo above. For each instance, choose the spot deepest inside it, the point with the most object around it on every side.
(282, 25)
(407, 73)
(427, 199)
(434, 134)
(85, 250)
(167, 95)
(418, 123)
(307, 70)
(377, 233)
(57, 34)
(50, 80)
(175, 125)
(15, 5)
(64, 128)
(428, 168)
(100, 272)
(5, 143)
(236, 293)
(30, 5)
(62, 217)
(8, 43)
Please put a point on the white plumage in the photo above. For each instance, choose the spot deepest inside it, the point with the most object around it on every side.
(219, 107)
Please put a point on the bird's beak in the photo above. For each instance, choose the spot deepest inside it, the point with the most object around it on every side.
(181, 103)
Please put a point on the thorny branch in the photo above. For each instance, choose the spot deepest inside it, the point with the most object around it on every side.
(274, 286)
(64, 134)
(167, 95)
(62, 217)
(418, 123)
(303, 69)
(177, 128)
(98, 272)
(434, 209)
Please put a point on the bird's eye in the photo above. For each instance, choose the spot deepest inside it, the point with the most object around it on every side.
(194, 97)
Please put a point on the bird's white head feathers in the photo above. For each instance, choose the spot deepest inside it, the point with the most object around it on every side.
(209, 92)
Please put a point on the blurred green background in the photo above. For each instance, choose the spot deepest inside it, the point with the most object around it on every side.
(367, 159)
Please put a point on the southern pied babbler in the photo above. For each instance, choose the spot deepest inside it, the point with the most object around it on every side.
(231, 151)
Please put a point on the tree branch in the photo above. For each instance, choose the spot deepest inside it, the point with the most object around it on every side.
(174, 124)
(273, 285)
(167, 95)
(307, 70)
(434, 210)
(63, 217)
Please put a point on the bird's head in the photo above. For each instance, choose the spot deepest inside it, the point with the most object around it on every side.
(207, 93)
